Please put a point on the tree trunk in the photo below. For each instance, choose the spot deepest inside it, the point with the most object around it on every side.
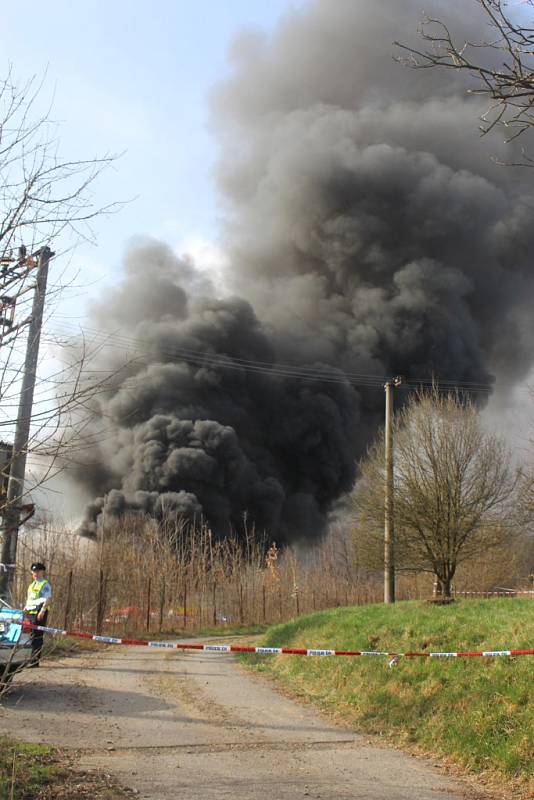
(446, 587)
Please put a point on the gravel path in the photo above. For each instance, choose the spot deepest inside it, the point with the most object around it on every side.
(195, 725)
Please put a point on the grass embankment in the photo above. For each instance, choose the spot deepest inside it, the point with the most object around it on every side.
(475, 712)
(36, 772)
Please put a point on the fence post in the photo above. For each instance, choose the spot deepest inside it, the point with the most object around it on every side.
(149, 585)
(100, 603)
(161, 605)
(241, 610)
(214, 590)
(68, 601)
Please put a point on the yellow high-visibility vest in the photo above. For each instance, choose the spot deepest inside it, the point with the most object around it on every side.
(34, 601)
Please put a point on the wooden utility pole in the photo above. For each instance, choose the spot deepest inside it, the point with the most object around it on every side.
(15, 489)
(389, 525)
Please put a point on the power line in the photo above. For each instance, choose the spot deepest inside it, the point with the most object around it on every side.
(225, 361)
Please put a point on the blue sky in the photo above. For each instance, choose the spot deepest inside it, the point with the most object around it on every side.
(126, 75)
(132, 76)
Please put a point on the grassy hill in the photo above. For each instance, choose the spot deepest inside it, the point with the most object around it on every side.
(475, 712)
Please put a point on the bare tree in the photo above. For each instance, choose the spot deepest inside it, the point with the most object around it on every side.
(501, 64)
(455, 488)
(44, 199)
(41, 194)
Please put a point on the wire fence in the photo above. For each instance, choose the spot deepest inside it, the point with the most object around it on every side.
(140, 578)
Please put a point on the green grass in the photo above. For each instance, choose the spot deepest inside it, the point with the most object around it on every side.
(28, 767)
(475, 712)
(38, 772)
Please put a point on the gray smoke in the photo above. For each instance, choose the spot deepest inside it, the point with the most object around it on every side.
(368, 232)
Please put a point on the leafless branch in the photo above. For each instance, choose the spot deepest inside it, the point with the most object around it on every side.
(501, 66)
(44, 198)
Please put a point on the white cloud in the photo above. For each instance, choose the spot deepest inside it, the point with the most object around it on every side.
(208, 257)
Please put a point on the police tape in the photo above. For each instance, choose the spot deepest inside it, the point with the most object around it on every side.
(501, 593)
(289, 651)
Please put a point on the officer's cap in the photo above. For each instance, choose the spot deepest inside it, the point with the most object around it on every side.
(37, 565)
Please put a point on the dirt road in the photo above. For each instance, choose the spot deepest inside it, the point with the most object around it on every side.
(195, 725)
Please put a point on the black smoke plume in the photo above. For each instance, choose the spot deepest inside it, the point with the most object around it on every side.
(369, 234)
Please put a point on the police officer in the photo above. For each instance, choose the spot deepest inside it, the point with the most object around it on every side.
(36, 608)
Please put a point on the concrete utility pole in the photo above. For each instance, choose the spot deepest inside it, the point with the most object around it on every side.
(15, 489)
(389, 525)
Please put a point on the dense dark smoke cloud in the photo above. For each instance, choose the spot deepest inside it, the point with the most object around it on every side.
(368, 231)
(212, 439)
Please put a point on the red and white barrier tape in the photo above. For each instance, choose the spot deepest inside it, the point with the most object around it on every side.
(503, 593)
(290, 651)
